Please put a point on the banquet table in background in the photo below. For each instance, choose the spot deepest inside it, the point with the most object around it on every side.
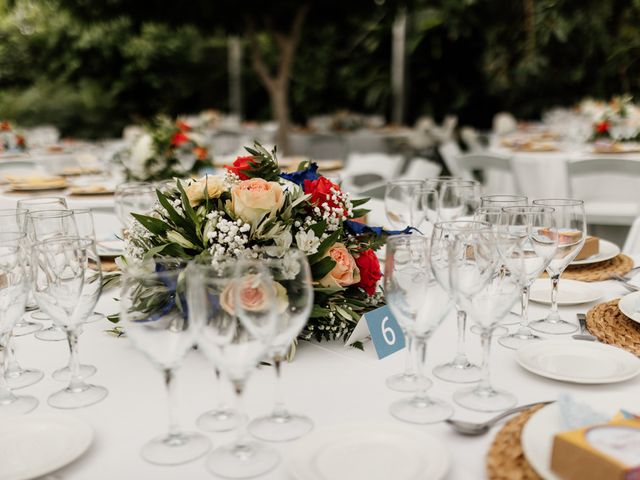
(331, 383)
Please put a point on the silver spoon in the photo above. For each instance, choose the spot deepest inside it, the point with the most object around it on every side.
(470, 428)
(584, 331)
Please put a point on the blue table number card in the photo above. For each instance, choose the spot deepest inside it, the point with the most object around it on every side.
(385, 333)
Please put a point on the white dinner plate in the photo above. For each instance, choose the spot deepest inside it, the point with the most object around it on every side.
(578, 361)
(110, 248)
(368, 452)
(570, 292)
(629, 306)
(34, 445)
(538, 432)
(608, 250)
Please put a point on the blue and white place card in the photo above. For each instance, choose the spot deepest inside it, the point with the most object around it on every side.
(382, 328)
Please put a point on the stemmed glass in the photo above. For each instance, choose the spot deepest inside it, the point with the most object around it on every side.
(222, 418)
(134, 197)
(233, 308)
(398, 202)
(294, 290)
(13, 298)
(571, 223)
(154, 311)
(419, 304)
(400, 206)
(67, 281)
(504, 201)
(527, 241)
(487, 291)
(424, 203)
(458, 199)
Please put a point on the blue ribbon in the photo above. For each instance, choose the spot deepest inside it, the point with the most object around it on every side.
(310, 173)
(360, 228)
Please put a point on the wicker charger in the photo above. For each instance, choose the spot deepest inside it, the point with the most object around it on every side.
(613, 327)
(596, 272)
(505, 459)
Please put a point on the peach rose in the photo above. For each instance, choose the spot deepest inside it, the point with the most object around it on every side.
(253, 296)
(196, 191)
(345, 272)
(254, 198)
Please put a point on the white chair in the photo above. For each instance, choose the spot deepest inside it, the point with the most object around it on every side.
(366, 170)
(422, 168)
(450, 151)
(608, 187)
(471, 139)
(497, 172)
(632, 243)
(504, 122)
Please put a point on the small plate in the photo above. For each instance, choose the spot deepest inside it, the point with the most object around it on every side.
(629, 306)
(538, 432)
(570, 292)
(608, 250)
(110, 248)
(35, 445)
(577, 361)
(368, 452)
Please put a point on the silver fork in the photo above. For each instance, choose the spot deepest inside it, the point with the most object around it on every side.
(584, 332)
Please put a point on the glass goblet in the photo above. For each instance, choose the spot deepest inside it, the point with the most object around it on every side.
(154, 312)
(424, 203)
(134, 197)
(458, 199)
(222, 418)
(571, 223)
(420, 304)
(67, 281)
(398, 203)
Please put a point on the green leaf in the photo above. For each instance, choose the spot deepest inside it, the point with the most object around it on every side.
(358, 345)
(359, 201)
(359, 213)
(115, 318)
(187, 206)
(319, 312)
(154, 225)
(324, 246)
(319, 228)
(188, 228)
(321, 268)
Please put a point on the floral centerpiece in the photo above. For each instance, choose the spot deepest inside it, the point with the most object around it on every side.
(256, 210)
(168, 148)
(616, 120)
(10, 141)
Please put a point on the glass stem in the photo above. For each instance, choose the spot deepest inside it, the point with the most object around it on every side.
(462, 330)
(241, 447)
(279, 409)
(555, 280)
(524, 317)
(218, 390)
(419, 350)
(6, 396)
(76, 382)
(485, 340)
(168, 383)
(13, 367)
(408, 361)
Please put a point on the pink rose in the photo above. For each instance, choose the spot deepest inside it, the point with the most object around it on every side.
(253, 295)
(345, 272)
(252, 199)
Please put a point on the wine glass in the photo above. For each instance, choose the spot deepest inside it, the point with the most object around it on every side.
(294, 290)
(13, 298)
(487, 306)
(222, 418)
(134, 197)
(424, 202)
(154, 311)
(459, 369)
(398, 202)
(458, 199)
(67, 281)
(504, 201)
(419, 304)
(233, 308)
(33, 204)
(571, 223)
(527, 242)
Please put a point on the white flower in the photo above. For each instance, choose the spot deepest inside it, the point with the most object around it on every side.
(141, 152)
(307, 242)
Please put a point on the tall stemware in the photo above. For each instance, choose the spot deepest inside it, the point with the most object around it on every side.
(459, 369)
(233, 309)
(425, 205)
(133, 197)
(527, 242)
(571, 223)
(13, 298)
(487, 291)
(420, 304)
(67, 281)
(294, 291)
(155, 312)
(458, 199)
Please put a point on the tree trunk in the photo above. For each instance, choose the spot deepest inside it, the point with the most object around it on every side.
(280, 107)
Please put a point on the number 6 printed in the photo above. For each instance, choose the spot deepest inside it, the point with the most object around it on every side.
(387, 332)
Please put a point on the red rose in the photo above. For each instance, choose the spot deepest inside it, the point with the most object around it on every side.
(182, 126)
(369, 267)
(602, 127)
(322, 191)
(5, 127)
(240, 165)
(20, 140)
(178, 139)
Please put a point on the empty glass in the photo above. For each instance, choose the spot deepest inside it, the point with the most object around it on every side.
(398, 202)
(419, 304)
(571, 223)
(13, 298)
(527, 241)
(424, 202)
(154, 311)
(458, 199)
(504, 201)
(292, 276)
(134, 197)
(233, 308)
(67, 281)
(222, 418)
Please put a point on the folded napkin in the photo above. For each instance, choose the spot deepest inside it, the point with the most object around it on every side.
(578, 415)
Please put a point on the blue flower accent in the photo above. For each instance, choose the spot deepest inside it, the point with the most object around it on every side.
(358, 228)
(298, 178)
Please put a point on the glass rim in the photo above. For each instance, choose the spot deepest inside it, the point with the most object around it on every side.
(528, 209)
(480, 225)
(85, 242)
(558, 202)
(131, 185)
(404, 181)
(461, 181)
(33, 200)
(8, 212)
(49, 213)
(504, 197)
(406, 236)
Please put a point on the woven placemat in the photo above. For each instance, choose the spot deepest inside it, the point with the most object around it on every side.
(596, 272)
(613, 327)
(505, 459)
